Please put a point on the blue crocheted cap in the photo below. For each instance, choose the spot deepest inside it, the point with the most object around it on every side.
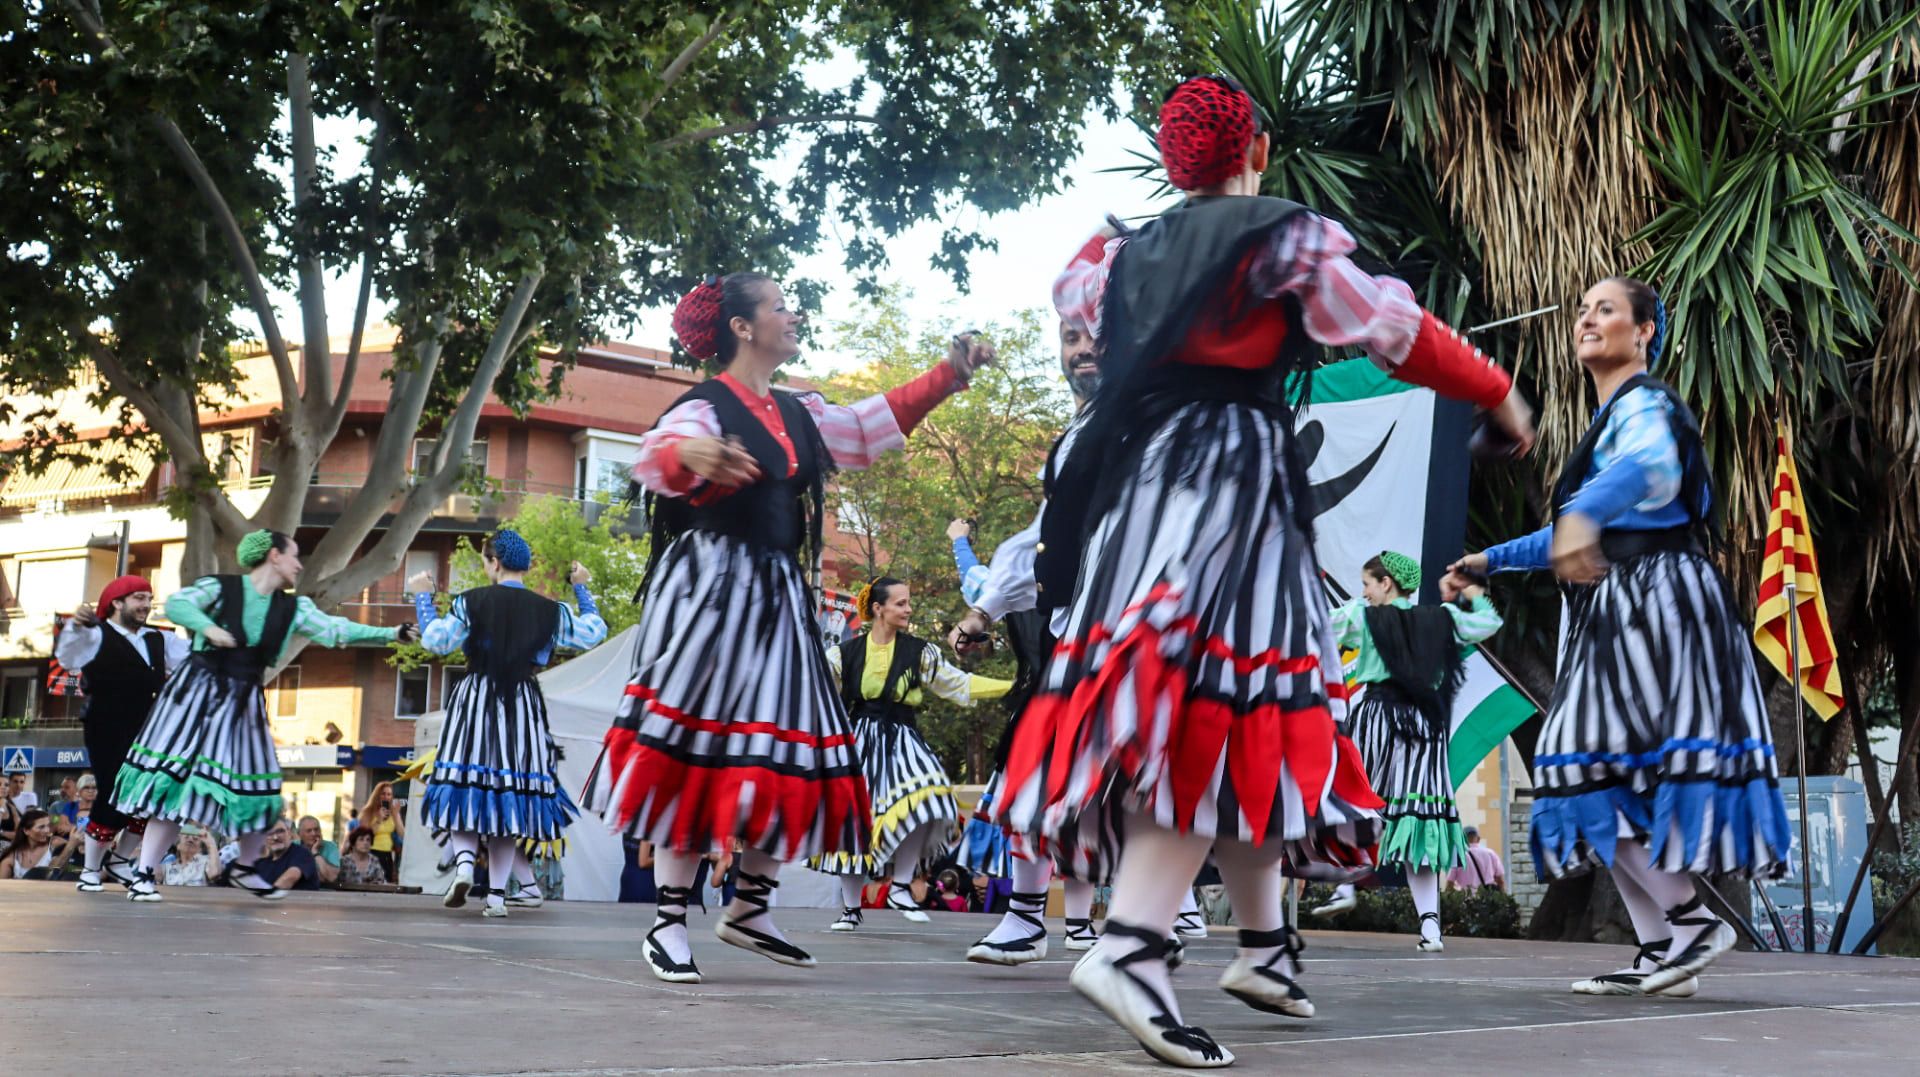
(512, 551)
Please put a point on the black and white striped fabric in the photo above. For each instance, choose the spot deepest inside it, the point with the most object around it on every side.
(1658, 728)
(731, 725)
(205, 755)
(1190, 683)
(910, 790)
(1408, 768)
(493, 774)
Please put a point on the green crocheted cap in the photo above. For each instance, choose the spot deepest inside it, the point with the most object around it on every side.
(254, 548)
(1403, 570)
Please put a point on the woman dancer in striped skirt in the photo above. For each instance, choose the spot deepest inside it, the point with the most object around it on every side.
(731, 728)
(206, 751)
(1410, 659)
(884, 677)
(1656, 759)
(493, 773)
(1190, 686)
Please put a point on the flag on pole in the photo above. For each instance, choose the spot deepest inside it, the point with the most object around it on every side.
(1791, 564)
(1388, 465)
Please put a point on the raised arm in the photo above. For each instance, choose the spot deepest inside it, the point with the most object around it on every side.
(330, 631)
(1309, 258)
(442, 635)
(79, 643)
(582, 630)
(1349, 622)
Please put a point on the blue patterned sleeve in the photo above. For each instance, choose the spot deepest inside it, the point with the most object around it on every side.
(580, 631)
(423, 610)
(446, 634)
(1639, 461)
(1527, 553)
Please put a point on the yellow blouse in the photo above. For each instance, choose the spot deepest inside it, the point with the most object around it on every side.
(946, 680)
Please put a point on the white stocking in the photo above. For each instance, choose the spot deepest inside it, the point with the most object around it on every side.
(126, 845)
(672, 869)
(158, 839)
(1254, 884)
(906, 858)
(1156, 868)
(502, 853)
(1029, 877)
(463, 841)
(850, 887)
(1425, 886)
(1078, 899)
(1667, 890)
(96, 852)
(761, 863)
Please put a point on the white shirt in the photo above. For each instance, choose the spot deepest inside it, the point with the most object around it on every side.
(80, 644)
(1010, 586)
(26, 800)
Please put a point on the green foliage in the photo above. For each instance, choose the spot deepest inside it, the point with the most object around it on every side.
(1485, 913)
(978, 455)
(561, 531)
(535, 172)
(1763, 244)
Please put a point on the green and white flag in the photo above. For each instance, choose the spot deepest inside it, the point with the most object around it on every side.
(1389, 464)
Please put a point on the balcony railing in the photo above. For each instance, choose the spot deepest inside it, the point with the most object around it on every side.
(330, 493)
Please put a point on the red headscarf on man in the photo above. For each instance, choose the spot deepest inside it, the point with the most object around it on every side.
(1206, 125)
(118, 589)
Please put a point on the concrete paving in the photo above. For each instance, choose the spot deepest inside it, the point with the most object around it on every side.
(213, 981)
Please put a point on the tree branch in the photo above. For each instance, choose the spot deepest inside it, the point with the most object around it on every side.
(317, 354)
(370, 221)
(768, 123)
(389, 468)
(216, 204)
(679, 66)
(449, 458)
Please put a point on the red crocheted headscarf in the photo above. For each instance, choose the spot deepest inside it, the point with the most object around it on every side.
(1206, 125)
(696, 320)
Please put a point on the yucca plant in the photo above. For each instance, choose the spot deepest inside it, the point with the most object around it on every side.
(1764, 249)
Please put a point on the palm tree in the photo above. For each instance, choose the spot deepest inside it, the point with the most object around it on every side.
(1759, 161)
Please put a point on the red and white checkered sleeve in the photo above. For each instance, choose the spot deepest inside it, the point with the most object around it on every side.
(658, 466)
(856, 434)
(1344, 306)
(1079, 288)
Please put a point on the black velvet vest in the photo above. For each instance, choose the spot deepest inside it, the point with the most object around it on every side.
(903, 676)
(249, 661)
(1161, 280)
(781, 512)
(121, 683)
(507, 628)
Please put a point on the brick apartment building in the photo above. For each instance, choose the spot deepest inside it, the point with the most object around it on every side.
(342, 718)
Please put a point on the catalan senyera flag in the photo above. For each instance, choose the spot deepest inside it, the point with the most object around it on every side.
(1790, 559)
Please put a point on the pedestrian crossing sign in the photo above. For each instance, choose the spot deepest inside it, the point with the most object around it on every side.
(18, 759)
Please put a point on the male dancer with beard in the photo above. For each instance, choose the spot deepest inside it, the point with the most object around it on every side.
(1008, 595)
(122, 664)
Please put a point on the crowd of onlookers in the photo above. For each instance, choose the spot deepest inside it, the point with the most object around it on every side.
(49, 842)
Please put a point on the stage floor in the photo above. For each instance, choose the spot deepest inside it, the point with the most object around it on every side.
(212, 981)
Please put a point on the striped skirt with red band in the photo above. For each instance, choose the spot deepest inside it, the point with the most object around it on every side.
(730, 726)
(1192, 684)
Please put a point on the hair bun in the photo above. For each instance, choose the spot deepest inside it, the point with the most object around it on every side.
(1206, 125)
(695, 320)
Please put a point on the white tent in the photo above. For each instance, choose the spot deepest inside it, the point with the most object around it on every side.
(582, 696)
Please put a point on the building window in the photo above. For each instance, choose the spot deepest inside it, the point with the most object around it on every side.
(286, 693)
(17, 694)
(411, 692)
(419, 561)
(450, 678)
(423, 449)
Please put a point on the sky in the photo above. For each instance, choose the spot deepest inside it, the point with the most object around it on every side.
(1034, 243)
